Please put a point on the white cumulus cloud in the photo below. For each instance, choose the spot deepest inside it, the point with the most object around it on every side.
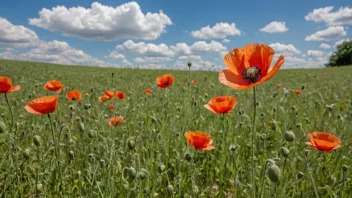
(147, 49)
(275, 27)
(101, 22)
(325, 46)
(339, 42)
(342, 16)
(285, 49)
(331, 33)
(219, 30)
(315, 53)
(226, 41)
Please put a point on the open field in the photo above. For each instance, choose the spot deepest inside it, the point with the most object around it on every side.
(148, 155)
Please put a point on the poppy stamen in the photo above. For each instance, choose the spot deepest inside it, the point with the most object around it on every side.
(252, 74)
(166, 83)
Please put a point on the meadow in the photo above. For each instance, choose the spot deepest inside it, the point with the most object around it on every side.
(147, 155)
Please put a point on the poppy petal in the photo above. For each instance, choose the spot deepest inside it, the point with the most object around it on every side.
(273, 70)
(234, 60)
(227, 77)
(15, 88)
(259, 55)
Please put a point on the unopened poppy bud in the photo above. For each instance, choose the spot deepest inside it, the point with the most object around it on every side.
(274, 173)
(91, 134)
(262, 114)
(146, 190)
(307, 120)
(2, 127)
(26, 154)
(91, 156)
(131, 144)
(36, 140)
(195, 189)
(188, 157)
(344, 168)
(302, 87)
(189, 63)
(306, 152)
(155, 194)
(263, 137)
(212, 85)
(339, 116)
(87, 106)
(126, 186)
(177, 134)
(71, 155)
(2, 115)
(205, 95)
(154, 119)
(300, 175)
(289, 136)
(131, 172)
(275, 94)
(102, 163)
(81, 127)
(170, 189)
(72, 107)
(161, 168)
(329, 107)
(240, 124)
(299, 125)
(284, 152)
(142, 174)
(205, 78)
(293, 108)
(232, 147)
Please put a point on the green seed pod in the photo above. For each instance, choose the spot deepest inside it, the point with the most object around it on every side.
(81, 127)
(87, 106)
(131, 144)
(263, 137)
(188, 157)
(170, 189)
(284, 152)
(344, 168)
(131, 173)
(289, 136)
(274, 173)
(300, 175)
(262, 114)
(71, 155)
(189, 64)
(233, 147)
(26, 154)
(91, 156)
(72, 107)
(161, 168)
(102, 163)
(36, 140)
(2, 127)
(91, 134)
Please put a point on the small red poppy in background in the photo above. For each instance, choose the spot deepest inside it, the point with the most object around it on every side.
(297, 92)
(194, 82)
(221, 104)
(111, 107)
(54, 85)
(199, 140)
(110, 94)
(42, 105)
(148, 91)
(115, 121)
(121, 95)
(165, 81)
(271, 122)
(249, 66)
(6, 85)
(74, 95)
(279, 86)
(323, 141)
(104, 98)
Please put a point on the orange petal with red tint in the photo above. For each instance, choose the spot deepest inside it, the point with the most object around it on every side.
(199, 140)
(42, 105)
(227, 77)
(234, 60)
(323, 141)
(259, 55)
(115, 121)
(74, 95)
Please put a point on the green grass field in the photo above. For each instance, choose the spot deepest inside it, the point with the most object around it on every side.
(148, 155)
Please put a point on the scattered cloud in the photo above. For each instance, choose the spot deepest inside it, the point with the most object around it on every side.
(341, 41)
(343, 16)
(219, 30)
(324, 46)
(147, 49)
(285, 49)
(226, 41)
(331, 33)
(151, 59)
(101, 22)
(15, 36)
(116, 55)
(315, 53)
(275, 27)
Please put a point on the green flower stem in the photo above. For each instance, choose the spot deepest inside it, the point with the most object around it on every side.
(253, 140)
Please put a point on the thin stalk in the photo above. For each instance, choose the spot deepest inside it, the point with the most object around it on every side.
(55, 148)
(253, 140)
(263, 180)
(8, 104)
(312, 179)
(343, 182)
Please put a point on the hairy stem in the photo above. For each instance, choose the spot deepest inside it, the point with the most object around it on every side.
(253, 141)
(8, 104)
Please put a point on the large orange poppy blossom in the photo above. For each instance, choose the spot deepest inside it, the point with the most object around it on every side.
(74, 95)
(54, 85)
(110, 94)
(249, 66)
(221, 104)
(120, 95)
(165, 81)
(42, 105)
(323, 141)
(199, 140)
(115, 121)
(6, 85)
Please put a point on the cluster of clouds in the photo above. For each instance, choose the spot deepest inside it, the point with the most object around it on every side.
(127, 21)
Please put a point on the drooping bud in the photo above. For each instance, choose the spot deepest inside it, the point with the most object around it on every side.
(289, 136)
(274, 173)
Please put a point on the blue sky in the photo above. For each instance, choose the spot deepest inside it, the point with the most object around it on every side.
(160, 34)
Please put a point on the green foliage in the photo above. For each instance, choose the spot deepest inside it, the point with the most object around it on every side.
(148, 155)
(343, 55)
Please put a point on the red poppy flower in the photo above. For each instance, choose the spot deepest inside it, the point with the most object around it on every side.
(249, 66)
(42, 105)
(194, 82)
(221, 104)
(165, 81)
(104, 98)
(323, 141)
(199, 140)
(297, 92)
(6, 85)
(110, 94)
(111, 107)
(115, 121)
(54, 85)
(279, 86)
(148, 91)
(120, 95)
(74, 95)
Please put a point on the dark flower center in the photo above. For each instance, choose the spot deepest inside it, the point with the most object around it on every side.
(166, 83)
(252, 74)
